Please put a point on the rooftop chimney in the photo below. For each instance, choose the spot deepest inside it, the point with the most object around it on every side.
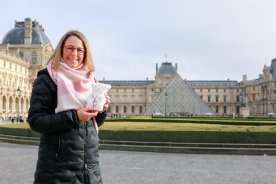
(28, 31)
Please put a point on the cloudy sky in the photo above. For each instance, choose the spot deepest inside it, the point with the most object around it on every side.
(209, 39)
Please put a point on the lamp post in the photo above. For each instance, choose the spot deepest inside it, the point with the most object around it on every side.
(263, 99)
(18, 92)
(166, 94)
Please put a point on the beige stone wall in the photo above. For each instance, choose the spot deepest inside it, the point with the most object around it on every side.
(132, 100)
(258, 94)
(15, 86)
(126, 97)
(261, 96)
(222, 101)
(128, 100)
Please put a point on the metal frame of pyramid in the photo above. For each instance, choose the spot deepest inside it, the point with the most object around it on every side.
(177, 97)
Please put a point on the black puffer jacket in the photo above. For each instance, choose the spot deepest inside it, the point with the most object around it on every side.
(68, 150)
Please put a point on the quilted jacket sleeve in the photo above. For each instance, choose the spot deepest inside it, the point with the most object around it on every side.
(100, 118)
(42, 117)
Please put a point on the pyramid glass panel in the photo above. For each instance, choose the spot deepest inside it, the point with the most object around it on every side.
(178, 97)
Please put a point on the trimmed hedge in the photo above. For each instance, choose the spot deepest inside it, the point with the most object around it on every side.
(25, 132)
(171, 136)
(199, 121)
(190, 136)
(250, 118)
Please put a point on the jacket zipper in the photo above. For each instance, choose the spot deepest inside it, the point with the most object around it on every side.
(58, 149)
(86, 172)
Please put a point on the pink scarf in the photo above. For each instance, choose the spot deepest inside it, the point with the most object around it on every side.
(73, 86)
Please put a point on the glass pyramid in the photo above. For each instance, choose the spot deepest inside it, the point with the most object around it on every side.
(177, 98)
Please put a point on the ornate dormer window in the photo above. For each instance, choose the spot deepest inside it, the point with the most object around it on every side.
(34, 57)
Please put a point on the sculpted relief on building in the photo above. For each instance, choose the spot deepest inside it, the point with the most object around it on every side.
(25, 49)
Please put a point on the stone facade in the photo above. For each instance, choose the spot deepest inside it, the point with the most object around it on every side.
(15, 86)
(260, 94)
(133, 97)
(24, 50)
(223, 97)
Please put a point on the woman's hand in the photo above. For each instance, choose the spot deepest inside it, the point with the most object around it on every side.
(86, 113)
(106, 105)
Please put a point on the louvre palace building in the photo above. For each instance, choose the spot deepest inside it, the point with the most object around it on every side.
(25, 49)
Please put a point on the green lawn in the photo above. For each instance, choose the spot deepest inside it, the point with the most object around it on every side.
(21, 125)
(161, 126)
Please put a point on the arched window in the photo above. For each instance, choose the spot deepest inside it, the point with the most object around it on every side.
(109, 109)
(225, 109)
(217, 98)
(34, 57)
(209, 98)
(237, 109)
(132, 109)
(141, 109)
(4, 104)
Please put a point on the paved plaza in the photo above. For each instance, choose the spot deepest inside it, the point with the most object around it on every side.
(119, 167)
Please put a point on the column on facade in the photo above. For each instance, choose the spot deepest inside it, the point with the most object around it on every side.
(23, 105)
(21, 111)
(125, 109)
(13, 103)
(26, 106)
(9, 106)
(16, 105)
(4, 106)
(1, 106)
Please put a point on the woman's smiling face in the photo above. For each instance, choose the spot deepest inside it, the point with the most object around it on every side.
(73, 52)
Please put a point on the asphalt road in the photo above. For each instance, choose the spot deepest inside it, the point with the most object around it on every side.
(17, 164)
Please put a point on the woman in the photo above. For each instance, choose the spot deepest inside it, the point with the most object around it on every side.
(68, 150)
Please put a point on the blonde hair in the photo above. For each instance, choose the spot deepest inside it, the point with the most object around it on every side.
(87, 59)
